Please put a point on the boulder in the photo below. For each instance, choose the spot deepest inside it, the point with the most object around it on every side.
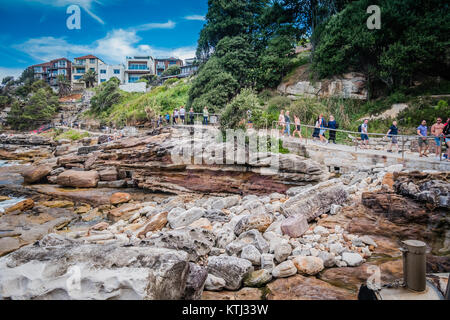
(294, 226)
(352, 259)
(182, 218)
(36, 173)
(225, 203)
(232, 269)
(196, 242)
(214, 283)
(258, 221)
(282, 251)
(256, 239)
(156, 223)
(315, 201)
(195, 282)
(284, 269)
(119, 197)
(20, 206)
(78, 179)
(93, 272)
(252, 254)
(308, 265)
(258, 278)
(267, 261)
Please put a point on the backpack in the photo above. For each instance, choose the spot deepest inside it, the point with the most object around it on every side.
(359, 128)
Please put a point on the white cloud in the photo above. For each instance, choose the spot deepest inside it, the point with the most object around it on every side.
(195, 17)
(85, 4)
(113, 48)
(150, 26)
(15, 72)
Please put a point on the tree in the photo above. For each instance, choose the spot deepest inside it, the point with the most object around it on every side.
(413, 40)
(64, 86)
(235, 113)
(172, 71)
(213, 87)
(106, 96)
(90, 77)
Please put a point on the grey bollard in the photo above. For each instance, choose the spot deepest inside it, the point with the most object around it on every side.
(414, 264)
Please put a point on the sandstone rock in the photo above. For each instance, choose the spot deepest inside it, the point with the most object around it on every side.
(233, 270)
(184, 218)
(259, 222)
(119, 197)
(284, 269)
(196, 242)
(252, 254)
(201, 223)
(36, 173)
(58, 204)
(308, 265)
(306, 288)
(112, 184)
(156, 223)
(214, 283)
(20, 206)
(243, 294)
(352, 259)
(109, 174)
(4, 198)
(295, 226)
(258, 278)
(368, 240)
(78, 179)
(106, 272)
(8, 245)
(282, 251)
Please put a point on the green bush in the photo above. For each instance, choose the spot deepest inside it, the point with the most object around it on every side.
(72, 134)
(235, 114)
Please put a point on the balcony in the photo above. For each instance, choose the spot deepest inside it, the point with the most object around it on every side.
(138, 67)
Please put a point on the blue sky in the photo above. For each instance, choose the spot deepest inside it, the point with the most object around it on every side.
(35, 31)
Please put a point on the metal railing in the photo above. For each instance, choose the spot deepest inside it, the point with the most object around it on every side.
(197, 119)
(353, 138)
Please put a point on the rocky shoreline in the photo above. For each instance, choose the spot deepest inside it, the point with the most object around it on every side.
(134, 224)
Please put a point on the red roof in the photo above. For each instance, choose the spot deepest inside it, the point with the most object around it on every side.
(45, 64)
(90, 56)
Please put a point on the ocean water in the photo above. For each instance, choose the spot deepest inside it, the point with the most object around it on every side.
(9, 203)
(8, 163)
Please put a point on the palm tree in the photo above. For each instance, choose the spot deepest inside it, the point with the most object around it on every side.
(64, 86)
(90, 77)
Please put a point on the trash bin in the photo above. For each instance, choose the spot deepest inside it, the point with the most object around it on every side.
(414, 264)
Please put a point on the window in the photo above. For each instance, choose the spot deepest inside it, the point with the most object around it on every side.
(80, 70)
(133, 79)
(102, 80)
(62, 71)
(77, 77)
(91, 60)
(116, 71)
(62, 63)
(103, 71)
(92, 69)
(137, 66)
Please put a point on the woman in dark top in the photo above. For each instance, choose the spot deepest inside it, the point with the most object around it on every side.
(332, 124)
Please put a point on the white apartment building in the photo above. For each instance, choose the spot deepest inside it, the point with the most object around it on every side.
(106, 72)
(138, 66)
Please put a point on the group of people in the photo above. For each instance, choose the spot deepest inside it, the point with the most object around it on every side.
(440, 131)
(321, 126)
(179, 117)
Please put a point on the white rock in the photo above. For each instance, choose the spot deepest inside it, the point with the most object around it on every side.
(252, 254)
(335, 209)
(352, 259)
(214, 283)
(321, 230)
(308, 265)
(282, 251)
(267, 261)
(284, 269)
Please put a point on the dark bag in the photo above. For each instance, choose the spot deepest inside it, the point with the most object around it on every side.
(359, 128)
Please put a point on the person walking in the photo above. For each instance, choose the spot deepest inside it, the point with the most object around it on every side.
(205, 116)
(287, 121)
(175, 116)
(422, 131)
(182, 114)
(167, 118)
(316, 132)
(392, 134)
(437, 130)
(364, 134)
(446, 133)
(249, 119)
(322, 126)
(297, 128)
(333, 125)
(191, 116)
(281, 122)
